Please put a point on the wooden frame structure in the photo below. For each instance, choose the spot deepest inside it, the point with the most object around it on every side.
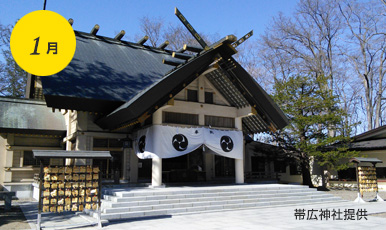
(366, 177)
(63, 154)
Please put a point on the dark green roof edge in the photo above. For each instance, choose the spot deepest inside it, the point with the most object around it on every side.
(29, 116)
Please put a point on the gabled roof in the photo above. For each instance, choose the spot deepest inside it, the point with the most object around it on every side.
(29, 117)
(103, 74)
(161, 91)
(232, 81)
(128, 81)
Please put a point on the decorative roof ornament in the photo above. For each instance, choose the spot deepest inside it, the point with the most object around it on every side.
(191, 29)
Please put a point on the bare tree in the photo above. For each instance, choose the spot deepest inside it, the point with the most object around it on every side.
(12, 78)
(176, 34)
(343, 40)
(366, 52)
(248, 56)
(306, 42)
(152, 27)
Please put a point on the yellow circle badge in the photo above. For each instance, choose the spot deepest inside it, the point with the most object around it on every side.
(43, 43)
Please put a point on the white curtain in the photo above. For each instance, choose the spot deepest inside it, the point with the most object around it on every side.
(168, 142)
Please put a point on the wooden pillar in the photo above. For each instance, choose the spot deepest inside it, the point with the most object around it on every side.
(68, 161)
(133, 162)
(156, 174)
(239, 163)
(83, 143)
(8, 163)
(201, 89)
(126, 164)
(209, 164)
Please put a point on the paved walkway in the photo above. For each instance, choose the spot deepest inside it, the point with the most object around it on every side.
(262, 218)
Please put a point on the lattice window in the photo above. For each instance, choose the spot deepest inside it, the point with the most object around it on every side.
(181, 118)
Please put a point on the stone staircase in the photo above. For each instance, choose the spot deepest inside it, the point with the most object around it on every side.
(146, 202)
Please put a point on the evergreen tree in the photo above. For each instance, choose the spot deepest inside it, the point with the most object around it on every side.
(313, 111)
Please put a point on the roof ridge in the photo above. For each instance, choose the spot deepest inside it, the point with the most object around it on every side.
(122, 42)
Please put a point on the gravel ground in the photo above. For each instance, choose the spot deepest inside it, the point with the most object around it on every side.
(351, 195)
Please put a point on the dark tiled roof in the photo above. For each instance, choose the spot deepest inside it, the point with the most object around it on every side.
(104, 69)
(127, 81)
(373, 134)
(29, 116)
(368, 145)
(159, 93)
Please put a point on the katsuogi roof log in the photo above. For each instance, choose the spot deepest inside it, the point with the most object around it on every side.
(95, 29)
(143, 40)
(120, 35)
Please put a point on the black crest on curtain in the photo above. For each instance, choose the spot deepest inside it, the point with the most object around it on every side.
(180, 142)
(226, 143)
(142, 144)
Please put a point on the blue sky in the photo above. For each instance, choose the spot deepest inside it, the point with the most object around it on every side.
(222, 17)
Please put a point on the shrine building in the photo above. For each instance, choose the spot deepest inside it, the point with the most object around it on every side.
(165, 115)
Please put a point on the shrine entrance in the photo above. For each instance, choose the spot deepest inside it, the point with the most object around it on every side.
(224, 167)
(185, 168)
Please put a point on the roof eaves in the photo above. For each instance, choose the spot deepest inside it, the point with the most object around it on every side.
(22, 100)
(370, 133)
(35, 132)
(258, 98)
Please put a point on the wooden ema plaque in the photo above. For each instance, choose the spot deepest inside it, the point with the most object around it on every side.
(70, 188)
(367, 179)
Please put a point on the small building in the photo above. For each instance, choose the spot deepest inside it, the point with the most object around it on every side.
(269, 162)
(371, 144)
(25, 125)
(165, 116)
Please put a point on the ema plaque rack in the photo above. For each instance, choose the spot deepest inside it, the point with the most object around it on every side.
(69, 188)
(366, 177)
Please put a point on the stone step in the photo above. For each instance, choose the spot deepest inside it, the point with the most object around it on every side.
(145, 202)
(185, 203)
(160, 192)
(262, 205)
(200, 209)
(195, 195)
(172, 200)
